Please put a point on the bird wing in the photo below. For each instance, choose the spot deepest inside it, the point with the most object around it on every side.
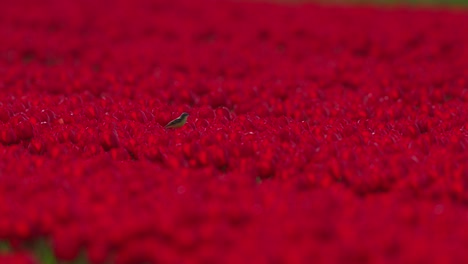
(173, 122)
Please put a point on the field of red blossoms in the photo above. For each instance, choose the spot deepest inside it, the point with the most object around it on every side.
(316, 134)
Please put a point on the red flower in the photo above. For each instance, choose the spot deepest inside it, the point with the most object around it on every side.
(316, 134)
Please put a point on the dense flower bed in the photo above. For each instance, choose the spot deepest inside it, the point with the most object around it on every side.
(316, 134)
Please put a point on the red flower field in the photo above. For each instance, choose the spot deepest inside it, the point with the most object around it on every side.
(316, 134)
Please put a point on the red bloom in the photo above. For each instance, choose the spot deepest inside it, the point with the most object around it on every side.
(316, 134)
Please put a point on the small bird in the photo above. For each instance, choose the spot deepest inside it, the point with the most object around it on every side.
(178, 122)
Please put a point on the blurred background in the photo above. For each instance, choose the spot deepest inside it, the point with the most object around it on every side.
(454, 3)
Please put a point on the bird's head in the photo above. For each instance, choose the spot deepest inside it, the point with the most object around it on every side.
(184, 115)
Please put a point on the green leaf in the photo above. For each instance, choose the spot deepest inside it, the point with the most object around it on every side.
(4, 247)
(43, 251)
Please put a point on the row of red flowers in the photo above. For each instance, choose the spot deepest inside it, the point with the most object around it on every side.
(316, 134)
